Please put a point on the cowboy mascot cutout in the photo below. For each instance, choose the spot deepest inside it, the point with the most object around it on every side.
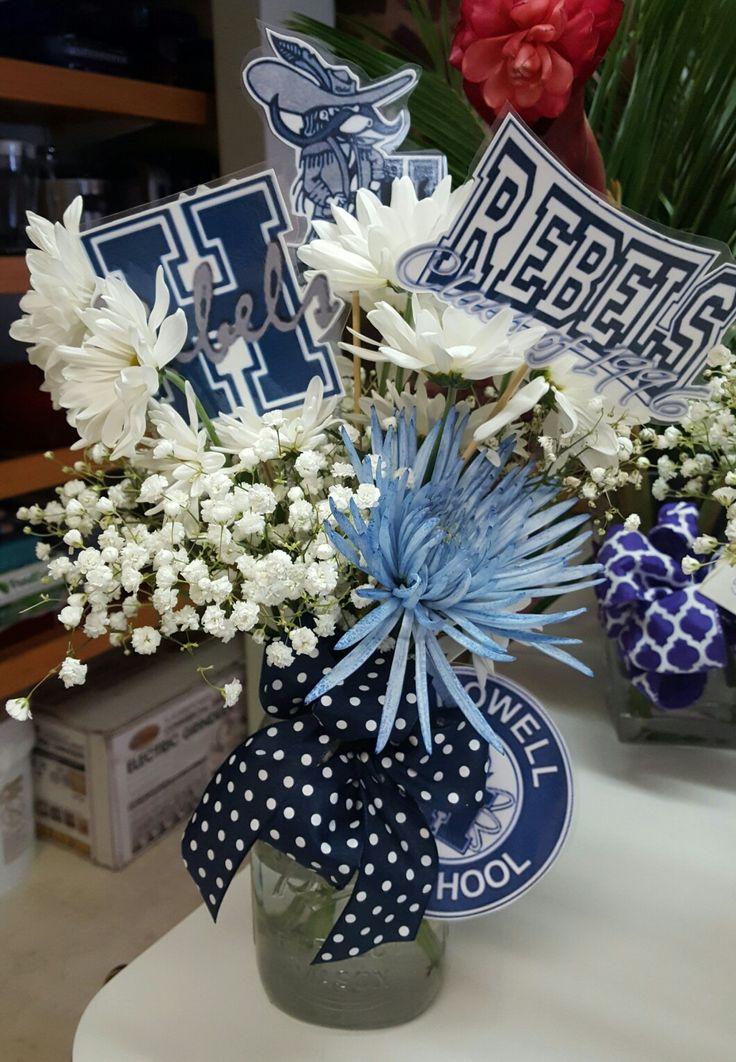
(340, 130)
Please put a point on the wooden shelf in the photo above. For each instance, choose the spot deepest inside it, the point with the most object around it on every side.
(24, 663)
(79, 90)
(23, 475)
(14, 279)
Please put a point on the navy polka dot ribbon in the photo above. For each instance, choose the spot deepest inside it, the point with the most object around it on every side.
(669, 635)
(312, 785)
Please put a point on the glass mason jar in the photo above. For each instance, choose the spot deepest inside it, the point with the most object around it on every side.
(293, 912)
(709, 721)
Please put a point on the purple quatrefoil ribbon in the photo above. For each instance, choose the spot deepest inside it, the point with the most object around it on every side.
(312, 785)
(669, 635)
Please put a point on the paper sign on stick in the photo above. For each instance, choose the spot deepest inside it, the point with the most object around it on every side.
(257, 336)
(640, 306)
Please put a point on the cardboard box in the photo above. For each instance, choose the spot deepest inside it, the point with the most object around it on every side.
(120, 762)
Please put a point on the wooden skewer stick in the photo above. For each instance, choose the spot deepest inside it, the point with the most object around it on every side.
(514, 384)
(356, 357)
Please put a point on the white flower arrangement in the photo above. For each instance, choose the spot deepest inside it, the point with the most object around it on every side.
(228, 525)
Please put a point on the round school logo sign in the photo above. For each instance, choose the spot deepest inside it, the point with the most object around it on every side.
(490, 857)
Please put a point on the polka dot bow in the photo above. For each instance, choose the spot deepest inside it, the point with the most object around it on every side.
(312, 785)
(668, 634)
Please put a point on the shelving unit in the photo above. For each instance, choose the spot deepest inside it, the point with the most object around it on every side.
(38, 85)
(25, 662)
(22, 475)
(28, 661)
(13, 275)
(93, 107)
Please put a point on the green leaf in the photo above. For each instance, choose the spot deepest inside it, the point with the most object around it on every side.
(663, 107)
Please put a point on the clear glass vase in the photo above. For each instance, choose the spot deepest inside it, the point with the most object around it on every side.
(709, 721)
(293, 912)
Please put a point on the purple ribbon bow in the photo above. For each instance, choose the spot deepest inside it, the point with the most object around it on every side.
(312, 786)
(668, 634)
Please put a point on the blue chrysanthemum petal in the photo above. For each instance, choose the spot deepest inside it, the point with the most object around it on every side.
(453, 548)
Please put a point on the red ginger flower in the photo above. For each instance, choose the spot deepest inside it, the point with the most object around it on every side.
(530, 53)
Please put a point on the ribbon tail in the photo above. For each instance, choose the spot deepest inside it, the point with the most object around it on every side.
(254, 796)
(397, 873)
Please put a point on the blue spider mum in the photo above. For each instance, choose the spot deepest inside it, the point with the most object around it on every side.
(454, 550)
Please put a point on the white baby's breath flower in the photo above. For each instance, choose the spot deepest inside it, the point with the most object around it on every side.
(231, 692)
(278, 654)
(59, 567)
(71, 615)
(19, 708)
(303, 640)
(309, 464)
(724, 495)
(690, 565)
(632, 522)
(73, 672)
(360, 252)
(145, 640)
(367, 496)
(324, 626)
(445, 341)
(152, 488)
(244, 615)
(705, 544)
(109, 379)
(719, 357)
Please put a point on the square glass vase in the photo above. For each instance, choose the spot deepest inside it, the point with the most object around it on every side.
(710, 721)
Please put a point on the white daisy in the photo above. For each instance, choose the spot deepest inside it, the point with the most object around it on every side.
(360, 253)
(446, 342)
(520, 403)
(181, 450)
(109, 379)
(581, 422)
(302, 428)
(62, 287)
(427, 409)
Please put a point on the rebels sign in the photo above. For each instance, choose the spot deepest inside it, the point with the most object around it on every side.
(640, 307)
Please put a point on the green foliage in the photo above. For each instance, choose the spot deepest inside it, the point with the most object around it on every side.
(663, 104)
(663, 107)
(441, 117)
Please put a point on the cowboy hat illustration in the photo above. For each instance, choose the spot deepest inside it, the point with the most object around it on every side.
(337, 126)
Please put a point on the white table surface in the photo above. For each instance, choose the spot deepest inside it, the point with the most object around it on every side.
(625, 951)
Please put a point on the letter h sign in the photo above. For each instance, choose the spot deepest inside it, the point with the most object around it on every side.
(256, 336)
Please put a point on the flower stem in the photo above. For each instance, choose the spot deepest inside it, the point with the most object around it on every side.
(356, 357)
(514, 384)
(449, 403)
(180, 383)
(428, 942)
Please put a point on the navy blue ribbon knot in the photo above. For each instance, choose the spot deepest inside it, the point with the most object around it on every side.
(312, 786)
